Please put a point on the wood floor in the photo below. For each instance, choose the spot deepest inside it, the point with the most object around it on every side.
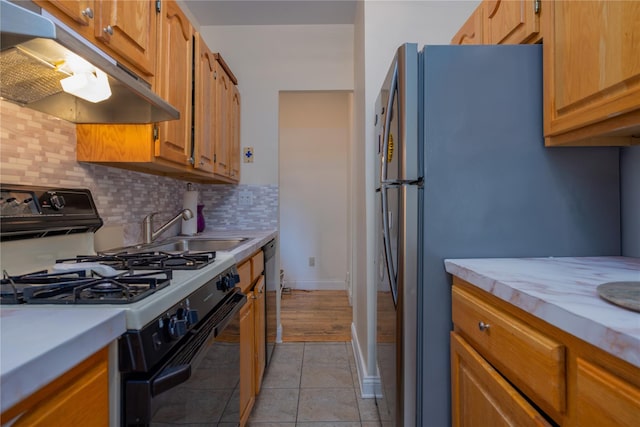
(324, 316)
(313, 316)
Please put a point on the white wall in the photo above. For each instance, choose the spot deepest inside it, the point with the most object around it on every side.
(270, 59)
(382, 26)
(315, 134)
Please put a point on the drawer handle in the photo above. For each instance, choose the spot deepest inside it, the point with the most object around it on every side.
(483, 326)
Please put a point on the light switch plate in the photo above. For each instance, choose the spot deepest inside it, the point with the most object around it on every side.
(247, 155)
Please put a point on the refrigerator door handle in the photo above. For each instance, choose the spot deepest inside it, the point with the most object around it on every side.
(401, 182)
(387, 124)
(386, 234)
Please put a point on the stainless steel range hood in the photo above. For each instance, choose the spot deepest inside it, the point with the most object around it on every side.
(34, 46)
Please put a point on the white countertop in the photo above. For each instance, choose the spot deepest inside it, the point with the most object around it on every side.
(562, 292)
(40, 343)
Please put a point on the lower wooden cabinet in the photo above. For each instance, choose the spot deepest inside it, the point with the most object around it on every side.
(252, 332)
(604, 399)
(510, 368)
(481, 396)
(79, 397)
(259, 334)
(247, 350)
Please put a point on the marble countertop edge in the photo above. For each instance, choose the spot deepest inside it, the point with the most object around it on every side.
(584, 315)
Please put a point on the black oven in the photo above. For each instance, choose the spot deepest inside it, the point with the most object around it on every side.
(183, 369)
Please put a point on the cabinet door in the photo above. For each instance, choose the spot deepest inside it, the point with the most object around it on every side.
(174, 82)
(79, 15)
(471, 31)
(592, 72)
(531, 360)
(259, 334)
(223, 98)
(511, 22)
(203, 150)
(78, 398)
(604, 399)
(129, 28)
(234, 130)
(247, 395)
(481, 396)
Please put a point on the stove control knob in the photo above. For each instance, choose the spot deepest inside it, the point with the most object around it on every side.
(189, 316)
(176, 327)
(57, 202)
(225, 283)
(192, 317)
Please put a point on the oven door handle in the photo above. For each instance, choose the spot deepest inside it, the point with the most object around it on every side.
(170, 378)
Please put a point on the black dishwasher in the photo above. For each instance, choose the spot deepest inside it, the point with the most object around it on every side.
(272, 294)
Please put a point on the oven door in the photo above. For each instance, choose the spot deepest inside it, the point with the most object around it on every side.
(198, 384)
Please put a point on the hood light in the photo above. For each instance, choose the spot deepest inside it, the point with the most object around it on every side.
(90, 86)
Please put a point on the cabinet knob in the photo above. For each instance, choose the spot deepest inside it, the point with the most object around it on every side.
(88, 13)
(483, 326)
(108, 29)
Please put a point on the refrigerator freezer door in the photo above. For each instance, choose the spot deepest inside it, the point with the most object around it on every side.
(399, 166)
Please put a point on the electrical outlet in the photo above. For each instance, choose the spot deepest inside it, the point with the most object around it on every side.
(312, 261)
(245, 198)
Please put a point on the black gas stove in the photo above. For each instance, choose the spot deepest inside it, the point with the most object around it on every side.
(173, 318)
(81, 287)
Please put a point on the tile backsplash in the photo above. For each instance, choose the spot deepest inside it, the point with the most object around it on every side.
(38, 149)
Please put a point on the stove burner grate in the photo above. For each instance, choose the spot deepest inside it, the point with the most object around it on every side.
(77, 288)
(148, 260)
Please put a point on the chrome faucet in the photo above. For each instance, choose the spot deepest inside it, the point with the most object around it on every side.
(148, 235)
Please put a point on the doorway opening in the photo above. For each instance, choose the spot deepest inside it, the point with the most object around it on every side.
(315, 135)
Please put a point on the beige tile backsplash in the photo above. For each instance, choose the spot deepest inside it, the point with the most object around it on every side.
(38, 149)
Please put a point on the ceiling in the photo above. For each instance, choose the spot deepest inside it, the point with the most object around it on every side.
(270, 12)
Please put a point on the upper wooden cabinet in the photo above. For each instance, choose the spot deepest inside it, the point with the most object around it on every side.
(204, 144)
(471, 31)
(205, 104)
(592, 73)
(129, 28)
(512, 21)
(174, 82)
(224, 89)
(124, 29)
(234, 138)
(227, 122)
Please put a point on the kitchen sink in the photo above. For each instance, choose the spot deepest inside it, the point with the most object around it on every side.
(197, 244)
(183, 245)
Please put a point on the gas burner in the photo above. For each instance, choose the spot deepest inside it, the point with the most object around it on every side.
(78, 288)
(148, 260)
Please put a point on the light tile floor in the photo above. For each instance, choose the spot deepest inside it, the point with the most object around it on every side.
(312, 385)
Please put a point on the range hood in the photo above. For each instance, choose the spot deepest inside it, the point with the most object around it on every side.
(33, 50)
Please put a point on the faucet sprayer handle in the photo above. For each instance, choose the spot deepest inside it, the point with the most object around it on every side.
(187, 213)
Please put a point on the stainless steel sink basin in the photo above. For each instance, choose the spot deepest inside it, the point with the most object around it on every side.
(182, 245)
(197, 244)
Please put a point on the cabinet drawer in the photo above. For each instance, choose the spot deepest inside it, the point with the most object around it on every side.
(605, 399)
(481, 396)
(530, 360)
(244, 270)
(257, 265)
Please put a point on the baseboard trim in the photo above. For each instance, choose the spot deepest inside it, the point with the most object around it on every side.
(369, 385)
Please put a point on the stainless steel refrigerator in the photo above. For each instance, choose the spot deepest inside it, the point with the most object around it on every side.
(462, 172)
